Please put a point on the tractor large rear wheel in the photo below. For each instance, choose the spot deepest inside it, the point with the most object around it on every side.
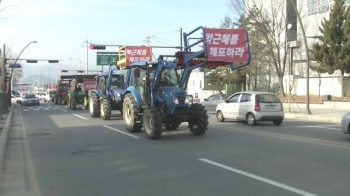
(199, 120)
(94, 105)
(131, 113)
(55, 99)
(106, 109)
(152, 122)
(68, 102)
(73, 103)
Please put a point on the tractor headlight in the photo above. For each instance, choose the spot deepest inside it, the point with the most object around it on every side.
(118, 96)
(189, 99)
(176, 100)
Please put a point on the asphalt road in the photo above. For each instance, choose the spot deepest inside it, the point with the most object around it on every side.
(56, 151)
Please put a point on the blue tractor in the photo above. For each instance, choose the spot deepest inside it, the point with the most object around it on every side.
(108, 95)
(156, 95)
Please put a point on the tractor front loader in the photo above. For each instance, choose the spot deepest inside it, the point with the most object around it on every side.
(157, 97)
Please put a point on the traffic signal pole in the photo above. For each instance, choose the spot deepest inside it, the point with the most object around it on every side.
(4, 75)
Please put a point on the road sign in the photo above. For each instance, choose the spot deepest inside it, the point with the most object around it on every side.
(15, 66)
(104, 58)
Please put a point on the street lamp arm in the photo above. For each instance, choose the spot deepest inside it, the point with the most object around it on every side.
(20, 55)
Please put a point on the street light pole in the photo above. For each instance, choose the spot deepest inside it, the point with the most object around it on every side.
(10, 80)
(307, 60)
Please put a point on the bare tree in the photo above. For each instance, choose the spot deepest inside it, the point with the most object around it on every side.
(268, 17)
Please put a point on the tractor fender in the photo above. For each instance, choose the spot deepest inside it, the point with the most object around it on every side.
(97, 92)
(135, 93)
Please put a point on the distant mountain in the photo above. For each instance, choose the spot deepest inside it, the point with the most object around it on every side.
(33, 79)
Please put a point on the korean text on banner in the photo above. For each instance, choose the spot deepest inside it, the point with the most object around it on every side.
(138, 54)
(89, 84)
(227, 45)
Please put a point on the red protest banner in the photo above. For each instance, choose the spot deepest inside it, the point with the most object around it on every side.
(138, 54)
(89, 84)
(227, 45)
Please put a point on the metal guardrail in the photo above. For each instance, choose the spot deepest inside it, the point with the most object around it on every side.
(4, 103)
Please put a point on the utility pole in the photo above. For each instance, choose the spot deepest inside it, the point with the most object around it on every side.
(87, 56)
(181, 46)
(4, 69)
(148, 41)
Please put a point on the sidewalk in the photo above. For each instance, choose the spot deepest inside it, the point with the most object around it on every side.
(317, 114)
(5, 124)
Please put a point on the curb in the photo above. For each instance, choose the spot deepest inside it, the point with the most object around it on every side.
(313, 118)
(4, 136)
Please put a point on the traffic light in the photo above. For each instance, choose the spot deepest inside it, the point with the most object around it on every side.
(64, 70)
(97, 47)
(80, 71)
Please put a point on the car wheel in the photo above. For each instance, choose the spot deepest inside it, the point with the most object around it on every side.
(277, 122)
(250, 119)
(220, 116)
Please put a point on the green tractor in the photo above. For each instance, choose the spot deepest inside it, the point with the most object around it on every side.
(78, 91)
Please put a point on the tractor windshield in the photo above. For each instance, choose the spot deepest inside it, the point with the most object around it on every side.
(117, 81)
(169, 77)
(63, 87)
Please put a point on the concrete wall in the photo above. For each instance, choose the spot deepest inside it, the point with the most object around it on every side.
(329, 86)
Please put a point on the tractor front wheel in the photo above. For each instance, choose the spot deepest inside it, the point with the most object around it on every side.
(198, 123)
(152, 123)
(106, 109)
(131, 113)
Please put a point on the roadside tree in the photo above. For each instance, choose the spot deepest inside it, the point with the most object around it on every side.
(333, 50)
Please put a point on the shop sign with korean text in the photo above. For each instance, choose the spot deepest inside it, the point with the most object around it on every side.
(89, 84)
(227, 45)
(137, 54)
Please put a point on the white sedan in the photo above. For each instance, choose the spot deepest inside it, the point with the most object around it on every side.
(251, 106)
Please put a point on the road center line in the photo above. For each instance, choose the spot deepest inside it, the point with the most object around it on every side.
(63, 110)
(79, 116)
(274, 183)
(119, 131)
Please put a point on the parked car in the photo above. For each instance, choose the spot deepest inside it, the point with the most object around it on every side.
(14, 98)
(28, 99)
(345, 123)
(251, 106)
(212, 101)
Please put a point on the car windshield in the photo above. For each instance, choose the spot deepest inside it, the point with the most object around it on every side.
(267, 98)
(28, 96)
(117, 81)
(169, 77)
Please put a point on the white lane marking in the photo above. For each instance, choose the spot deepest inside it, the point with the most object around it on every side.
(274, 183)
(322, 127)
(119, 131)
(64, 110)
(79, 116)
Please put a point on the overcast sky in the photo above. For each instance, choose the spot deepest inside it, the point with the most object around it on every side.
(61, 27)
